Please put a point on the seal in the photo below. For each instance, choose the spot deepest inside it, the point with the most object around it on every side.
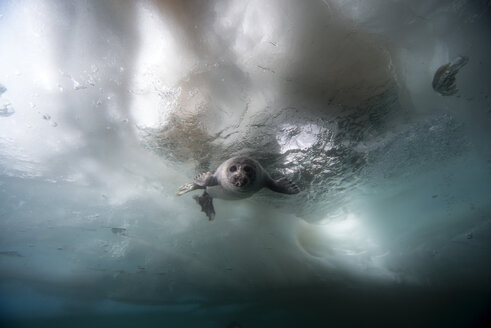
(236, 178)
(445, 80)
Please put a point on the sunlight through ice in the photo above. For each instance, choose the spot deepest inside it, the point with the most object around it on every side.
(345, 243)
(351, 236)
(154, 86)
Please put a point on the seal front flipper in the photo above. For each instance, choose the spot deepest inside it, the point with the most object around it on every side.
(201, 181)
(205, 180)
(186, 188)
(283, 185)
(206, 203)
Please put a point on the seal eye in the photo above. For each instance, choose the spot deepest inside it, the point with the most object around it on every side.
(247, 169)
(233, 168)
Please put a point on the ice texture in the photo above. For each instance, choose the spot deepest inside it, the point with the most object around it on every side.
(117, 104)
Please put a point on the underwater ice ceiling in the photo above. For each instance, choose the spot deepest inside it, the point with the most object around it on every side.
(378, 110)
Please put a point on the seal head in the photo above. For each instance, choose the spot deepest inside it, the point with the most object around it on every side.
(241, 172)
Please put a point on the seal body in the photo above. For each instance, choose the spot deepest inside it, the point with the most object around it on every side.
(236, 178)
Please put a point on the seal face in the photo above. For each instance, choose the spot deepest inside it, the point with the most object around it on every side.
(236, 178)
(239, 177)
(241, 174)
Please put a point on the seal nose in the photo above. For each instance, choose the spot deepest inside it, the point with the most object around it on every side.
(241, 182)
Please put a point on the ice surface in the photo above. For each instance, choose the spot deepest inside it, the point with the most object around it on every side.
(118, 104)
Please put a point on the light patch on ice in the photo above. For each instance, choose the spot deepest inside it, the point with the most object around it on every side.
(294, 137)
(343, 227)
(35, 57)
(346, 243)
(30, 134)
(154, 94)
(351, 235)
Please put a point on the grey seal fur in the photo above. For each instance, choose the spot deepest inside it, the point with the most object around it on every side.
(445, 80)
(236, 178)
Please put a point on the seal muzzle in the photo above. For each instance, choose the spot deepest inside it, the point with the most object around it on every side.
(239, 180)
